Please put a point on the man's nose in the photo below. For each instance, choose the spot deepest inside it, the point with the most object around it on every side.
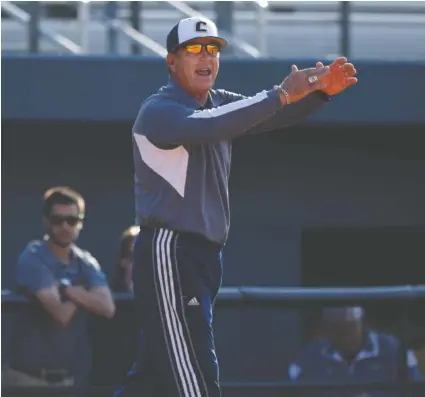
(203, 54)
(66, 225)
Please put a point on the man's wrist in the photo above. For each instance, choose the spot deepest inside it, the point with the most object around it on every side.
(283, 94)
(323, 95)
(75, 293)
(64, 284)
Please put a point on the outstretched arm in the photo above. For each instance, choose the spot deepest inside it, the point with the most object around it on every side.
(341, 76)
(290, 114)
(167, 122)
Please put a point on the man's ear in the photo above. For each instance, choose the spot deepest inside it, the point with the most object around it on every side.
(170, 62)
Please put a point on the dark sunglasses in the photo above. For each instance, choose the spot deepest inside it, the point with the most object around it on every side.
(59, 220)
(211, 49)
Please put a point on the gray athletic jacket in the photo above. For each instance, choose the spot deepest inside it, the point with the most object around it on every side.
(182, 153)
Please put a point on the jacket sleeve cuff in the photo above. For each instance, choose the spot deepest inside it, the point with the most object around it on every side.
(323, 96)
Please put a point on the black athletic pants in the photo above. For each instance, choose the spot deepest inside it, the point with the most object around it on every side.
(176, 278)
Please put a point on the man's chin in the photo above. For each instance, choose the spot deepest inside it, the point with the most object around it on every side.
(204, 83)
(61, 243)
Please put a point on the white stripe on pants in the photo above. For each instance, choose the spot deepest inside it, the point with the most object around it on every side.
(172, 323)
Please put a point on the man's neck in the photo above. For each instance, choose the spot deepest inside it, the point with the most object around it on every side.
(201, 97)
(349, 357)
(62, 253)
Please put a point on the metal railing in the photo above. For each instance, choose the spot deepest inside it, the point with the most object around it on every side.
(253, 20)
(117, 25)
(399, 298)
(31, 21)
(137, 37)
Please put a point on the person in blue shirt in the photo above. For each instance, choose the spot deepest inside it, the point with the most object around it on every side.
(182, 145)
(351, 353)
(64, 284)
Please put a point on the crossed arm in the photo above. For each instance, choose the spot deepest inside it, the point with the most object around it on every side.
(38, 280)
(62, 312)
(97, 300)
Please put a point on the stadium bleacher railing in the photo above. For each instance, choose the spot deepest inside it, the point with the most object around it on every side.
(399, 297)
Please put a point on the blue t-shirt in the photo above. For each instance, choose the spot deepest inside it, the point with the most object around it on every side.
(38, 342)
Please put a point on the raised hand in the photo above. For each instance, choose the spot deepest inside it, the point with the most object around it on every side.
(302, 82)
(340, 76)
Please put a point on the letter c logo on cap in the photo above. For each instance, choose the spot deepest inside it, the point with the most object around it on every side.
(201, 26)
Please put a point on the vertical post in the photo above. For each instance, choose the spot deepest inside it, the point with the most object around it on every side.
(84, 19)
(136, 7)
(345, 28)
(111, 14)
(224, 18)
(33, 28)
(261, 23)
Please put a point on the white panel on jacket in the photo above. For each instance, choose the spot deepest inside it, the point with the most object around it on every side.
(169, 164)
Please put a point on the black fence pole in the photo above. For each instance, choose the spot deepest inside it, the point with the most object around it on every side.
(111, 14)
(33, 28)
(345, 28)
(224, 18)
(136, 7)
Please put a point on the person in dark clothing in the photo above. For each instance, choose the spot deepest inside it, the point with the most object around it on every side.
(121, 279)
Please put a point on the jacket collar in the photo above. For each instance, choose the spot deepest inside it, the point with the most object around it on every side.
(370, 350)
(175, 90)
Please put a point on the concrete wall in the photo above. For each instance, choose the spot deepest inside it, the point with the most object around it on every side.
(112, 88)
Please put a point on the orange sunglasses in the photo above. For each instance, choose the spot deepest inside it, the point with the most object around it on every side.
(211, 49)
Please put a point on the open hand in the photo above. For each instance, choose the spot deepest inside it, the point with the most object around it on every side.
(300, 83)
(340, 76)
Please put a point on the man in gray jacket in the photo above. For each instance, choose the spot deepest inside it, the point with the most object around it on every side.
(182, 151)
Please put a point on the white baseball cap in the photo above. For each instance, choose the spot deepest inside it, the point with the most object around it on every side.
(189, 29)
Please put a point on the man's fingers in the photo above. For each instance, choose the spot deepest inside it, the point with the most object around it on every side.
(347, 66)
(321, 86)
(317, 72)
(351, 81)
(349, 69)
(319, 65)
(351, 73)
(317, 86)
(294, 68)
(339, 61)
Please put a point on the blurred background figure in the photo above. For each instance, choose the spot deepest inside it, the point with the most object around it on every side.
(65, 284)
(119, 340)
(121, 279)
(351, 352)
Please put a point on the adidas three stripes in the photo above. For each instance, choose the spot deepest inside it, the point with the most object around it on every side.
(176, 278)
